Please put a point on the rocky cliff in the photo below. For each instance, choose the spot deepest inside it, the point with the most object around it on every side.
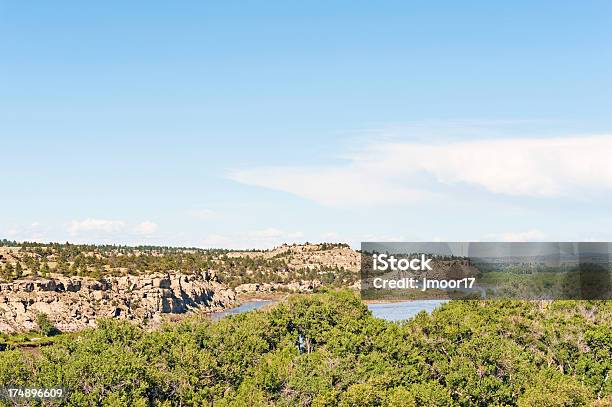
(304, 286)
(75, 303)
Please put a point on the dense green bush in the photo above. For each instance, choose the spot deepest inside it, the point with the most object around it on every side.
(45, 325)
(327, 350)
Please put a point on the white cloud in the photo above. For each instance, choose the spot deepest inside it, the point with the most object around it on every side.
(146, 228)
(95, 225)
(92, 229)
(332, 186)
(532, 235)
(533, 167)
(397, 172)
(33, 232)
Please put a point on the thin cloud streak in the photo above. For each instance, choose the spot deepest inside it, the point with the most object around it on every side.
(408, 172)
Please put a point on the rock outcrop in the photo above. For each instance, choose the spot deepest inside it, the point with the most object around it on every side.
(304, 286)
(75, 303)
(309, 256)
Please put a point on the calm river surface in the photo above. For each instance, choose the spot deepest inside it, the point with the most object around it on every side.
(244, 307)
(391, 311)
(398, 311)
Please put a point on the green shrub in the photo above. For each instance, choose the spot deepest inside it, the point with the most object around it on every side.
(327, 350)
(45, 326)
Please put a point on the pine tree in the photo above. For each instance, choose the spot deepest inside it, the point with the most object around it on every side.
(44, 269)
(18, 270)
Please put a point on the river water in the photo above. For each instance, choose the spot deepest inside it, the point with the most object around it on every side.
(244, 307)
(398, 311)
(391, 311)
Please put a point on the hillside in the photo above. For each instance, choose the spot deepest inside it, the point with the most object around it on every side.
(332, 264)
(75, 285)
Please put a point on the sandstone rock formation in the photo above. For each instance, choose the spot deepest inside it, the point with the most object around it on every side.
(304, 286)
(310, 256)
(75, 303)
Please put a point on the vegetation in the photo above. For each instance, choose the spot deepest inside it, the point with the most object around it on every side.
(24, 340)
(232, 268)
(327, 350)
(45, 326)
(45, 335)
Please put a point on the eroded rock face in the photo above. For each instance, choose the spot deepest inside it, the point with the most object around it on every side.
(75, 303)
(304, 286)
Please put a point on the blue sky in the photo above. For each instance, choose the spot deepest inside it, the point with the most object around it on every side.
(248, 124)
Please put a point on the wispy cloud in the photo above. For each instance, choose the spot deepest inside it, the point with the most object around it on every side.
(91, 229)
(397, 172)
(34, 232)
(95, 225)
(355, 184)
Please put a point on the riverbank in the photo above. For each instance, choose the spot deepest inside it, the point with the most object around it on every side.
(387, 310)
(273, 296)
